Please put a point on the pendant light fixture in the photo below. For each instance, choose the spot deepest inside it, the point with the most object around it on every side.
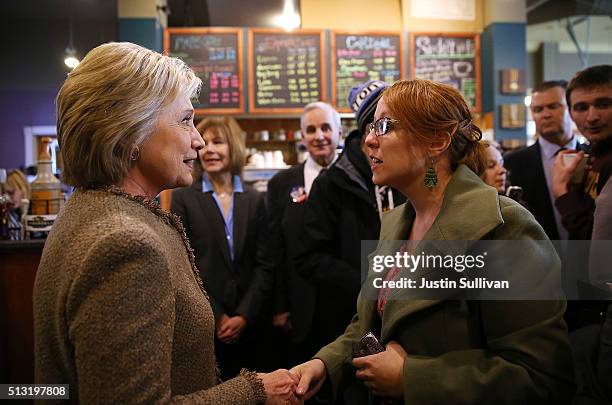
(71, 60)
(290, 18)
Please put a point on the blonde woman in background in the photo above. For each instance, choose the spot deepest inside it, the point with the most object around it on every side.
(495, 173)
(120, 311)
(18, 188)
(226, 222)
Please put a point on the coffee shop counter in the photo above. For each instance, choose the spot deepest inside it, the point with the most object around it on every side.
(18, 264)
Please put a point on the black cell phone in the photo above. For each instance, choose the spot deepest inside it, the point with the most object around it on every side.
(515, 192)
(367, 346)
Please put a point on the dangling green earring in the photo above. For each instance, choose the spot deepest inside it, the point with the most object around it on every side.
(431, 177)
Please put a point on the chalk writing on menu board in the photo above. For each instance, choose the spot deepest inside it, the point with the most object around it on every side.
(287, 70)
(213, 58)
(448, 59)
(359, 58)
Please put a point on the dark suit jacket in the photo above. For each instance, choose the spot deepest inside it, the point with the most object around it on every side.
(242, 286)
(526, 170)
(292, 293)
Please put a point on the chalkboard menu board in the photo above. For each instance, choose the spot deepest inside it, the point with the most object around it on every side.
(286, 70)
(215, 55)
(359, 57)
(448, 58)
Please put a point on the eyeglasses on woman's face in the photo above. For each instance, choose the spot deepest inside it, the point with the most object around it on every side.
(382, 126)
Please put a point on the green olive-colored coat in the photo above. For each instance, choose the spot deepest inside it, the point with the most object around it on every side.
(501, 352)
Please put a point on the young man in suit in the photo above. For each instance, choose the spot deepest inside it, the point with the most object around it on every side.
(287, 193)
(589, 95)
(531, 168)
(583, 206)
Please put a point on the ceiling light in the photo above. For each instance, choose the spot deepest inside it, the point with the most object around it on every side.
(289, 19)
(71, 59)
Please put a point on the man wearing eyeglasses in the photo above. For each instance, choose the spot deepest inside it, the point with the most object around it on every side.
(294, 298)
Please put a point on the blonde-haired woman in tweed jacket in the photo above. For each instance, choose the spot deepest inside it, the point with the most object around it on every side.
(120, 313)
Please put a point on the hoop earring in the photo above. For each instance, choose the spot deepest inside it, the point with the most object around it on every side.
(135, 155)
(431, 177)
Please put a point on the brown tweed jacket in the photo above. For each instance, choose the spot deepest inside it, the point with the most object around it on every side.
(119, 314)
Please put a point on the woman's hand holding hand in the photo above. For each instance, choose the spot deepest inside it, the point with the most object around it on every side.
(383, 373)
(311, 376)
(280, 386)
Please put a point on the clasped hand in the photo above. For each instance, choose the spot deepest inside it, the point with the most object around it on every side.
(282, 321)
(382, 373)
(229, 329)
(280, 387)
(310, 376)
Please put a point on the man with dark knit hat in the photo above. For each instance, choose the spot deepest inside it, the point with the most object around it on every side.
(343, 208)
(363, 100)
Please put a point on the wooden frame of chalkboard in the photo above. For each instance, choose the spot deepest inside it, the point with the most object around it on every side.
(365, 40)
(218, 61)
(452, 64)
(255, 106)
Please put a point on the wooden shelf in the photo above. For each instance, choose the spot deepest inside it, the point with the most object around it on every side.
(288, 142)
